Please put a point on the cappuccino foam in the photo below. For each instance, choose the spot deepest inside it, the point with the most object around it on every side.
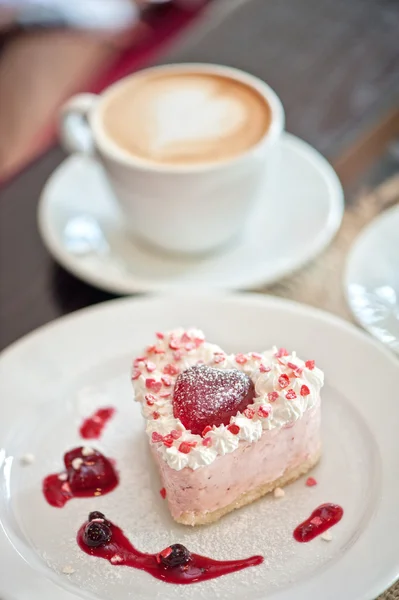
(185, 118)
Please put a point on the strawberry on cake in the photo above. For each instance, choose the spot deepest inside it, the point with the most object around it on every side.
(226, 429)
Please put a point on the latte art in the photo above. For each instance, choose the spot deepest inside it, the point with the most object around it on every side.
(185, 118)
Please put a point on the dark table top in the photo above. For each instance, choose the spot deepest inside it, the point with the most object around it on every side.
(334, 63)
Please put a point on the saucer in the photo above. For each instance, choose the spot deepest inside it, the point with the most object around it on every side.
(82, 228)
(372, 278)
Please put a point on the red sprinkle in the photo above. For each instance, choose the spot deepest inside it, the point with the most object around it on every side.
(290, 395)
(168, 441)
(151, 349)
(159, 350)
(241, 359)
(207, 442)
(311, 481)
(139, 360)
(185, 448)
(176, 434)
(136, 374)
(292, 366)
(166, 380)
(310, 364)
(163, 493)
(155, 415)
(263, 412)
(272, 396)
(305, 391)
(249, 413)
(160, 335)
(281, 352)
(234, 429)
(284, 380)
(207, 429)
(156, 437)
(171, 370)
(153, 385)
(264, 369)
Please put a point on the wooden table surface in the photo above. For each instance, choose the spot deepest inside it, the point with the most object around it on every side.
(334, 63)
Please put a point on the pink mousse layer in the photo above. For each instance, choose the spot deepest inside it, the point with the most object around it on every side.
(212, 487)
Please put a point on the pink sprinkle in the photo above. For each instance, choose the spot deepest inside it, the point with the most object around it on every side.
(150, 366)
(150, 398)
(177, 355)
(156, 437)
(272, 396)
(207, 429)
(305, 391)
(311, 481)
(159, 350)
(290, 395)
(166, 380)
(281, 352)
(198, 342)
(174, 345)
(234, 429)
(207, 442)
(171, 370)
(249, 413)
(218, 358)
(151, 349)
(155, 415)
(241, 359)
(185, 338)
(160, 335)
(164, 395)
(163, 493)
(284, 380)
(189, 346)
(256, 355)
(310, 364)
(263, 412)
(176, 434)
(264, 369)
(153, 385)
(136, 374)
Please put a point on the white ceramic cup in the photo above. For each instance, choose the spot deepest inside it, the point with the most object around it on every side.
(185, 209)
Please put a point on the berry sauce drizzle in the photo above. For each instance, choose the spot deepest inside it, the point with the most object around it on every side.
(321, 519)
(88, 473)
(92, 427)
(119, 551)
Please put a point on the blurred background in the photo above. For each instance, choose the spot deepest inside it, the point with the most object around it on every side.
(334, 64)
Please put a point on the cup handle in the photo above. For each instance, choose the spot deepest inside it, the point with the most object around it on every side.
(74, 128)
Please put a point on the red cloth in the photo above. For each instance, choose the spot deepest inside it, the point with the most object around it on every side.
(163, 25)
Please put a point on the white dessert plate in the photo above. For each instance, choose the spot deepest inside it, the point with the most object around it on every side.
(372, 278)
(54, 377)
(81, 227)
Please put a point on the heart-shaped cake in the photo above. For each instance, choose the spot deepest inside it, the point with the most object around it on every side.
(225, 429)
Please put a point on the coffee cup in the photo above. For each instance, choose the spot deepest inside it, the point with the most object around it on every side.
(186, 148)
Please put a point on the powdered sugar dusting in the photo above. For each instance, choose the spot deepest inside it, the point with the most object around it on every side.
(207, 396)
